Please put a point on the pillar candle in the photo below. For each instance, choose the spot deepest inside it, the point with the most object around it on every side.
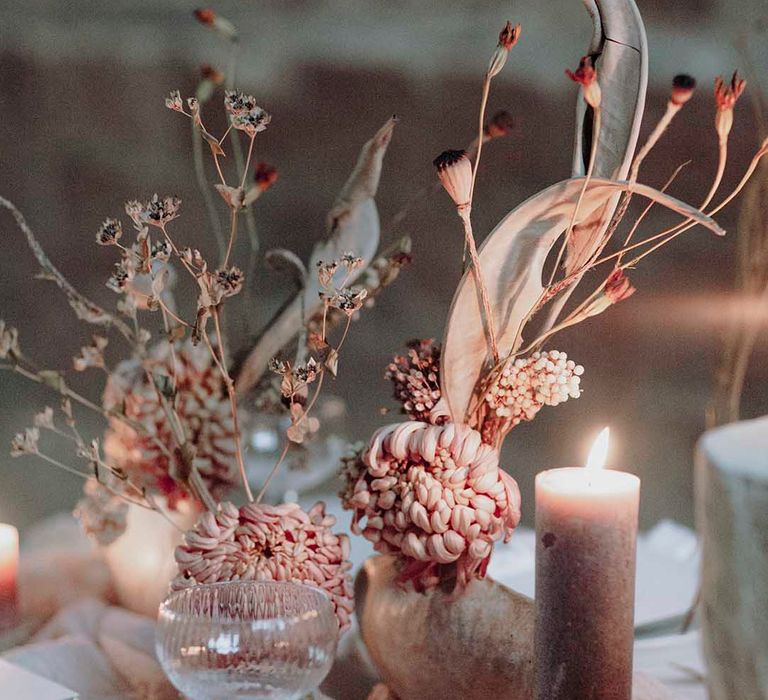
(586, 529)
(9, 564)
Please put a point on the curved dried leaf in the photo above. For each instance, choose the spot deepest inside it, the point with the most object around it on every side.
(512, 259)
(619, 43)
(353, 225)
(353, 222)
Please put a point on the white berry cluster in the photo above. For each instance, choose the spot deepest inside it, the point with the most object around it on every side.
(527, 384)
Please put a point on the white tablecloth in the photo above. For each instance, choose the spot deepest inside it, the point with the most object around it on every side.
(107, 653)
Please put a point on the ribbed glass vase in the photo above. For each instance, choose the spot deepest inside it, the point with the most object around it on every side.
(247, 639)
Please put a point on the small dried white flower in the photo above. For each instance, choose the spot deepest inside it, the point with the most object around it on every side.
(109, 232)
(245, 114)
(326, 271)
(102, 514)
(91, 355)
(348, 300)
(174, 102)
(157, 212)
(25, 443)
(44, 419)
(9, 341)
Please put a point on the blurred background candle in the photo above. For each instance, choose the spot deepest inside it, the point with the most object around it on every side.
(586, 529)
(9, 566)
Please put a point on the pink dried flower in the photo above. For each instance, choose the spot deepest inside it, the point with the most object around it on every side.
(261, 542)
(433, 495)
(725, 99)
(618, 287)
(416, 379)
(500, 125)
(103, 516)
(208, 72)
(202, 407)
(91, 355)
(455, 172)
(265, 175)
(206, 16)
(508, 37)
(682, 89)
(586, 76)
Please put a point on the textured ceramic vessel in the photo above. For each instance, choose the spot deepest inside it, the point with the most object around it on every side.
(431, 646)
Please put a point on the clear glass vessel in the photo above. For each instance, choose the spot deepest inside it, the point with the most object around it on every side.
(247, 639)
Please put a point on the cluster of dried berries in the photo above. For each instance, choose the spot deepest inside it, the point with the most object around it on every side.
(260, 542)
(244, 113)
(433, 495)
(102, 515)
(415, 377)
(197, 395)
(526, 385)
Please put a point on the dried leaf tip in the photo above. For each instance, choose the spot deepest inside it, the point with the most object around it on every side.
(455, 172)
(682, 89)
(586, 76)
(508, 37)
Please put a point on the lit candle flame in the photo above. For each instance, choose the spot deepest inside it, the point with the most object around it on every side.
(599, 451)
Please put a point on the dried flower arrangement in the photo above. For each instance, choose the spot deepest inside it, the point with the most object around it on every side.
(430, 490)
(173, 404)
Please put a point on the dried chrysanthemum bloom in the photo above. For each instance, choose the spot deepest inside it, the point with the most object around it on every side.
(586, 76)
(109, 232)
(415, 379)
(435, 496)
(261, 542)
(455, 172)
(526, 385)
(726, 96)
(102, 514)
(682, 89)
(202, 407)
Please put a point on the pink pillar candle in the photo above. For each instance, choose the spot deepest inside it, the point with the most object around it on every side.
(586, 529)
(9, 565)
